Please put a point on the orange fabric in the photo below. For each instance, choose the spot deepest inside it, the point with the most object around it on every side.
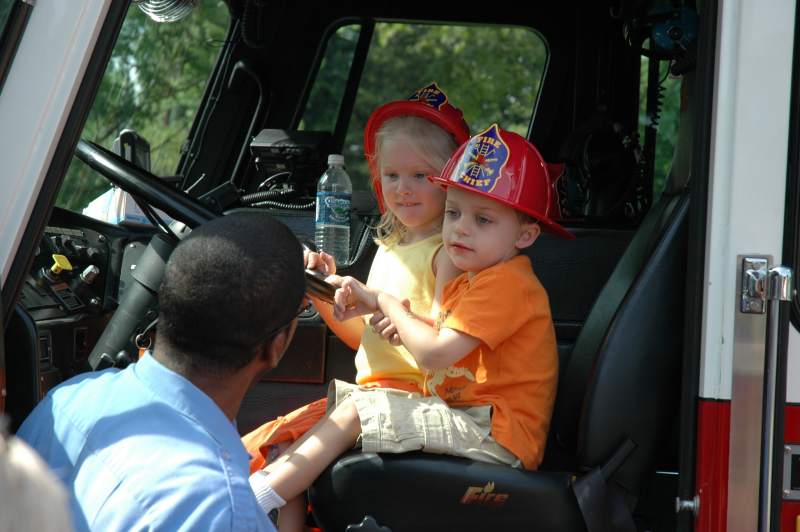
(289, 428)
(286, 428)
(515, 368)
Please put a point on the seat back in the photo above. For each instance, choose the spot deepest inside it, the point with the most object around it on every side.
(621, 379)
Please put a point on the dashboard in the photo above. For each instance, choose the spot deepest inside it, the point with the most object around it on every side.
(75, 283)
(83, 269)
(68, 274)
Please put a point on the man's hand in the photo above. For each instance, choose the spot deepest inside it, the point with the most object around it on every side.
(353, 298)
(319, 261)
(324, 263)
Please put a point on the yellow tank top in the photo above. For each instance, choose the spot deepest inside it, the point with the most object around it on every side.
(406, 272)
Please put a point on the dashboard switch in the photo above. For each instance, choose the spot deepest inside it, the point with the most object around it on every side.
(89, 274)
(60, 263)
(52, 274)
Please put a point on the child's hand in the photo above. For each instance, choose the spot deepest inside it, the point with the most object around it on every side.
(353, 299)
(319, 261)
(383, 325)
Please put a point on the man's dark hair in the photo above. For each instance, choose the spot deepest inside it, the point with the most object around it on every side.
(226, 286)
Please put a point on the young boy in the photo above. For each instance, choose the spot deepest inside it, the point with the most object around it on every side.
(490, 357)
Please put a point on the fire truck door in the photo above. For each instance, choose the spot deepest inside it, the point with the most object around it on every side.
(743, 290)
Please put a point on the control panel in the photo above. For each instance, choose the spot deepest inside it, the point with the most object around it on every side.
(68, 276)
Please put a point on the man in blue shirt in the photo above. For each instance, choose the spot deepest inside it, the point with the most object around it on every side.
(155, 446)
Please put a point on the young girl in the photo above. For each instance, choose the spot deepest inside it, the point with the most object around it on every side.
(404, 142)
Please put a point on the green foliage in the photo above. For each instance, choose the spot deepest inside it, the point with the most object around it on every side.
(492, 74)
(153, 84)
(322, 108)
(158, 72)
(667, 129)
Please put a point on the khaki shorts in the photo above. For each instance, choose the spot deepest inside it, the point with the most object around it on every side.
(394, 421)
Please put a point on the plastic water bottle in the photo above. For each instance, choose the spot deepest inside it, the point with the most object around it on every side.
(332, 224)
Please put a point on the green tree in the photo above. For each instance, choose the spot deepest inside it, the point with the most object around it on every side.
(492, 74)
(153, 84)
(158, 72)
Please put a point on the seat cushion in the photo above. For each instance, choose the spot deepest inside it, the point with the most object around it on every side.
(419, 491)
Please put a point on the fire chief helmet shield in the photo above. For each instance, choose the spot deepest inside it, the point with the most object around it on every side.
(430, 103)
(504, 166)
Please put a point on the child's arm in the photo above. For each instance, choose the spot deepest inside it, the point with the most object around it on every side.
(433, 349)
(349, 331)
(445, 271)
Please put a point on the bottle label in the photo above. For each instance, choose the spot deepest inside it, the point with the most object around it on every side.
(333, 209)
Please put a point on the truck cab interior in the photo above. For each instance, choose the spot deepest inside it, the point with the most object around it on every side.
(237, 104)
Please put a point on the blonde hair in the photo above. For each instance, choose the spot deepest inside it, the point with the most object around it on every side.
(434, 144)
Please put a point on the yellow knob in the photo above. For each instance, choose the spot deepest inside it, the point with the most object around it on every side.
(60, 262)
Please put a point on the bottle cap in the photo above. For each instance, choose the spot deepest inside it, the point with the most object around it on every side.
(335, 158)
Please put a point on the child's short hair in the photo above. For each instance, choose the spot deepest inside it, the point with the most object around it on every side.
(433, 143)
(525, 218)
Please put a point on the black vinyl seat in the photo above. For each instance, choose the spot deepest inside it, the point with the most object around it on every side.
(617, 396)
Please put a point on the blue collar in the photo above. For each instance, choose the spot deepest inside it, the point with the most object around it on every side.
(177, 391)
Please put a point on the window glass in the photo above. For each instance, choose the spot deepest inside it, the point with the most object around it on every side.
(10, 33)
(153, 84)
(5, 11)
(665, 122)
(322, 108)
(493, 74)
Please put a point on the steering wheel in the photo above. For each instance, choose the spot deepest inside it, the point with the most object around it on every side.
(177, 204)
(141, 295)
(143, 184)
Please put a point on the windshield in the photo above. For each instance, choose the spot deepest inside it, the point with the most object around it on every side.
(153, 84)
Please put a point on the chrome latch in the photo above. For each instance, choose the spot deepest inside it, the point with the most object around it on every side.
(781, 284)
(754, 286)
(688, 505)
(761, 284)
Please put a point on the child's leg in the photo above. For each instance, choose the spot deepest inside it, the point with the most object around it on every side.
(292, 516)
(288, 449)
(303, 462)
(281, 432)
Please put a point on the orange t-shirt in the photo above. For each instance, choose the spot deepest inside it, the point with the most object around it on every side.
(515, 368)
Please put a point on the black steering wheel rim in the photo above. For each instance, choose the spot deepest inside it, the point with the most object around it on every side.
(142, 294)
(130, 178)
(176, 204)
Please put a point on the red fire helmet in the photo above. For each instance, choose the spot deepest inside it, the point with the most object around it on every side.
(430, 103)
(504, 166)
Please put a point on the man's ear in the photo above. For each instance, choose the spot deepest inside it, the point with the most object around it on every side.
(273, 350)
(528, 234)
